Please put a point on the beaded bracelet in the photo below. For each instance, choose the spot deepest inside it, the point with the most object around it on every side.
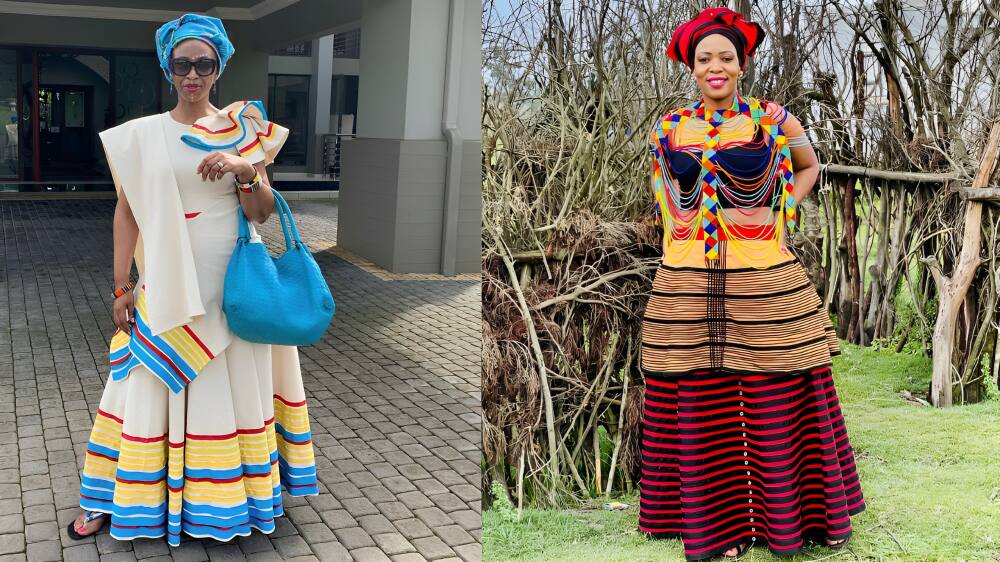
(124, 289)
(252, 186)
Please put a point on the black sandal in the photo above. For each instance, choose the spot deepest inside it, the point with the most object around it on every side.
(88, 517)
(740, 550)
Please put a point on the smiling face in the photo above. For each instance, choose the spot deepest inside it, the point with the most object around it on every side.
(716, 67)
(192, 87)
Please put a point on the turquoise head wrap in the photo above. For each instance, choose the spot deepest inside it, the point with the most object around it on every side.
(192, 26)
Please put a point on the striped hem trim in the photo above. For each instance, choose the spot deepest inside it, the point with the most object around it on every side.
(727, 371)
(729, 270)
(212, 486)
(702, 294)
(735, 345)
(175, 357)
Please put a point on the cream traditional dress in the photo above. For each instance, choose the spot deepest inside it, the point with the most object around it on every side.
(198, 429)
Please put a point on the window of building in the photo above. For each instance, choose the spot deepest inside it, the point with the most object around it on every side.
(288, 105)
(347, 45)
(344, 104)
(303, 49)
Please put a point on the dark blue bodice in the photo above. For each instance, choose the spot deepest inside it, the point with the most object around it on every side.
(746, 163)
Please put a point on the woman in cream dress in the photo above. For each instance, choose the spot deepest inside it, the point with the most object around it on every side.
(198, 429)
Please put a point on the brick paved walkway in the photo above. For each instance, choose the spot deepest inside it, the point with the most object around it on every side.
(393, 394)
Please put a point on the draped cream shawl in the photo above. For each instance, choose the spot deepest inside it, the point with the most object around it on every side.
(137, 155)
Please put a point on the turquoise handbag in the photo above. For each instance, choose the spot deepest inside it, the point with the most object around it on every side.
(283, 300)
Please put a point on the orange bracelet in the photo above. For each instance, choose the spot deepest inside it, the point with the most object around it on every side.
(124, 289)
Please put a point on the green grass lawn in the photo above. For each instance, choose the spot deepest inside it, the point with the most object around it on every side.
(931, 480)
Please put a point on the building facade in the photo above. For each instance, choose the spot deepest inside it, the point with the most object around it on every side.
(382, 98)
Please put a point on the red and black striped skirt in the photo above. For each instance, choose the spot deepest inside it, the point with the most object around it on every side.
(731, 456)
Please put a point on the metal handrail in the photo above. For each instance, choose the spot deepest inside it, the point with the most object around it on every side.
(331, 159)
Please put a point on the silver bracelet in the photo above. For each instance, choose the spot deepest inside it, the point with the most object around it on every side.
(800, 140)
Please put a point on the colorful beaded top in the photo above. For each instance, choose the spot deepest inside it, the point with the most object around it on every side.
(745, 176)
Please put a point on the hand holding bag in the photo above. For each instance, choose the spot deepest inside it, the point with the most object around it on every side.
(281, 301)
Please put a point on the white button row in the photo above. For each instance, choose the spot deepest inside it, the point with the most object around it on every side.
(749, 482)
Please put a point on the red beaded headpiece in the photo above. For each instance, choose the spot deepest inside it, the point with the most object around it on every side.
(746, 35)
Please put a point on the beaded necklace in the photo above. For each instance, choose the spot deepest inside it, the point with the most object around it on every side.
(709, 221)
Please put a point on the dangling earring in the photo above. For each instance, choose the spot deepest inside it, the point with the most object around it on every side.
(171, 88)
(213, 86)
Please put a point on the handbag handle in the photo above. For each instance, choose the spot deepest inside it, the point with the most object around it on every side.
(280, 201)
(290, 231)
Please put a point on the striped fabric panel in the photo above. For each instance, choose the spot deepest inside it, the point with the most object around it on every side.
(773, 322)
(727, 458)
(175, 356)
(294, 442)
(227, 490)
(125, 475)
(217, 486)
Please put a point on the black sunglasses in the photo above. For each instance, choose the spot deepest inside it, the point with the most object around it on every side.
(203, 67)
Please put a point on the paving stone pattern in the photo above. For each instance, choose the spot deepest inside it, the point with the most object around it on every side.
(393, 392)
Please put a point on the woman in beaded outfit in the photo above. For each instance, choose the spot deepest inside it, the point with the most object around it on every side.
(743, 441)
(197, 430)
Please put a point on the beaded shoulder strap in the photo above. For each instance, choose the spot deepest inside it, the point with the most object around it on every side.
(779, 143)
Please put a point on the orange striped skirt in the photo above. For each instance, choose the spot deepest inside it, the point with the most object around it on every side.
(735, 320)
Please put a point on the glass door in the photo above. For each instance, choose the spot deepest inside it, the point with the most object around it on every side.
(53, 104)
(66, 131)
(8, 114)
(74, 92)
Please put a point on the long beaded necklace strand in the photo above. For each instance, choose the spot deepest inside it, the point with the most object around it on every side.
(685, 223)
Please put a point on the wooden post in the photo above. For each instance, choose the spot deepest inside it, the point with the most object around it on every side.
(853, 320)
(952, 290)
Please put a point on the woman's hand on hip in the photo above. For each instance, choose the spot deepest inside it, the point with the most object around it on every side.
(218, 163)
(124, 312)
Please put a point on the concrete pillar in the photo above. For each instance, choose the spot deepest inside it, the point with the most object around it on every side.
(319, 95)
(392, 194)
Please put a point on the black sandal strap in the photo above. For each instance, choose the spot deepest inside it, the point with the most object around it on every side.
(88, 517)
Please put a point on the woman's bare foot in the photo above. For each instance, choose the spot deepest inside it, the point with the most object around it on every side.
(90, 527)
